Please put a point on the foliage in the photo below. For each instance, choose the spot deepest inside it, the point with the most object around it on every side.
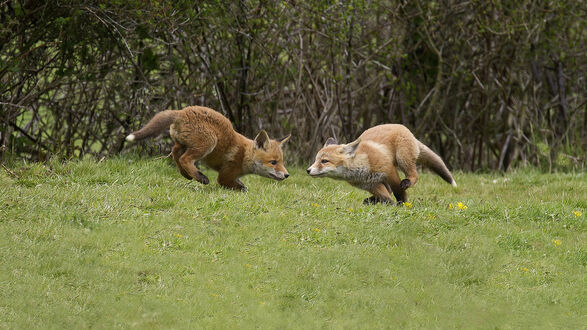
(130, 243)
(486, 84)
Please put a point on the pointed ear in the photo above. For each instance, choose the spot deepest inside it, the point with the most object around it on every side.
(284, 139)
(352, 147)
(262, 140)
(330, 141)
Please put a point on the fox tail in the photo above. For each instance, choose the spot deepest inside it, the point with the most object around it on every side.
(431, 160)
(155, 126)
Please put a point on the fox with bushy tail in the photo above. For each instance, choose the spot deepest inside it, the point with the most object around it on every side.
(201, 133)
(371, 162)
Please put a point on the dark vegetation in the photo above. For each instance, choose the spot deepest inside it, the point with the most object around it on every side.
(487, 84)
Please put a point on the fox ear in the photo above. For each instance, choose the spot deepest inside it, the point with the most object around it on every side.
(284, 139)
(262, 140)
(352, 147)
(330, 141)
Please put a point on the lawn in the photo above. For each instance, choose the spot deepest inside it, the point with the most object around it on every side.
(130, 243)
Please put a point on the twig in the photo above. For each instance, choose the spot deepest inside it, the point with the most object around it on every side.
(15, 105)
(160, 157)
(9, 171)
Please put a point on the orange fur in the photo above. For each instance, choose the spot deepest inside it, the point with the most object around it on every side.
(371, 162)
(201, 133)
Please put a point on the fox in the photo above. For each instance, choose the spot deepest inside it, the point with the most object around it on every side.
(371, 162)
(201, 133)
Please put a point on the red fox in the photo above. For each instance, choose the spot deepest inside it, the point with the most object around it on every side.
(201, 133)
(371, 162)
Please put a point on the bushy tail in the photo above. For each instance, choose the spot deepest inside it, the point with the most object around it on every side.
(155, 126)
(431, 160)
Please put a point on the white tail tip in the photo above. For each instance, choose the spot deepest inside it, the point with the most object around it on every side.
(454, 183)
(131, 137)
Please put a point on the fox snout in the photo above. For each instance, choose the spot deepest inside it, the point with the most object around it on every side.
(278, 175)
(313, 171)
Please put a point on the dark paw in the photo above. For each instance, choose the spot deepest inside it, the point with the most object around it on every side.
(370, 200)
(202, 178)
(405, 184)
(241, 186)
(374, 200)
(185, 175)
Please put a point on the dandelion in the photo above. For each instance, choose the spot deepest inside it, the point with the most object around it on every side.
(316, 230)
(577, 214)
(450, 206)
(315, 205)
(524, 269)
(557, 242)
(178, 235)
(461, 206)
(407, 204)
(350, 209)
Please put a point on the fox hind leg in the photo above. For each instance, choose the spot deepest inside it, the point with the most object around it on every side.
(190, 156)
(393, 181)
(177, 151)
(407, 163)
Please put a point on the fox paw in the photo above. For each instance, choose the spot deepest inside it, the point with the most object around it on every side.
(405, 184)
(202, 178)
(374, 200)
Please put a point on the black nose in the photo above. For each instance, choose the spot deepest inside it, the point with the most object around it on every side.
(308, 171)
(286, 175)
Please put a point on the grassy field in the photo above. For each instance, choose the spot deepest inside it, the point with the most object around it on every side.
(131, 243)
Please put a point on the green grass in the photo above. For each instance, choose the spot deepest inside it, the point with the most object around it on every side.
(131, 243)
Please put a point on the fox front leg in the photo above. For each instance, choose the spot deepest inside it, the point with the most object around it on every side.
(380, 195)
(234, 185)
(228, 178)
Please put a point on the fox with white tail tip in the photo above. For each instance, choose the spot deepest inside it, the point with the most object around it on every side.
(371, 162)
(201, 133)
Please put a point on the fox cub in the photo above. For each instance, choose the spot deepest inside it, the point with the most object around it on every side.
(201, 133)
(371, 162)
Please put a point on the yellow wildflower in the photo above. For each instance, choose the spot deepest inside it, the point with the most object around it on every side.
(178, 235)
(315, 205)
(461, 206)
(450, 206)
(316, 229)
(407, 204)
(577, 214)
(350, 209)
(557, 242)
(524, 269)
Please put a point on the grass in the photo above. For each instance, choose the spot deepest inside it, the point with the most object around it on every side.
(130, 243)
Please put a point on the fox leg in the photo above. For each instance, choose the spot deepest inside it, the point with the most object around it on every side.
(408, 166)
(380, 195)
(394, 183)
(189, 157)
(176, 152)
(229, 179)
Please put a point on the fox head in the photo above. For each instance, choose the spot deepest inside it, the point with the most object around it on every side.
(268, 157)
(331, 161)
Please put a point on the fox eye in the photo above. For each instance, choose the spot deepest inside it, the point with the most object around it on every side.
(273, 162)
(324, 161)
